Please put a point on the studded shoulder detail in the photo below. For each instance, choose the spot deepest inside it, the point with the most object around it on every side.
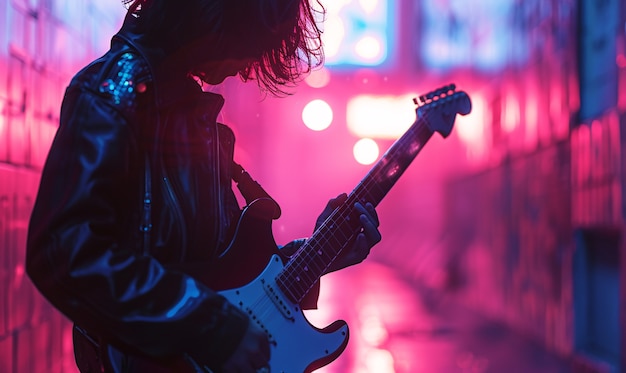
(128, 77)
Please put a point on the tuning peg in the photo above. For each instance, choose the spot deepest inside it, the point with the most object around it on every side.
(437, 94)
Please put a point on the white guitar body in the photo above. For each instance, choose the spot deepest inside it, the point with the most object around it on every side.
(296, 345)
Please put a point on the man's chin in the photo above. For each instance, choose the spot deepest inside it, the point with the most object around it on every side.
(215, 80)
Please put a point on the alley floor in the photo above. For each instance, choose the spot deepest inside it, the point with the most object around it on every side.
(392, 331)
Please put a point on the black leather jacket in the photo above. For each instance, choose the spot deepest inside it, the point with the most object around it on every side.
(129, 195)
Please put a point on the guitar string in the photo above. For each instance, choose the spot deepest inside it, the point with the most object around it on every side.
(265, 311)
(261, 310)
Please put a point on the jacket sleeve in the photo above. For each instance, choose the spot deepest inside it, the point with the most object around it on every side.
(82, 258)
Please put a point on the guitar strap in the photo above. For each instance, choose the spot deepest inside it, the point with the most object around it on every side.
(250, 189)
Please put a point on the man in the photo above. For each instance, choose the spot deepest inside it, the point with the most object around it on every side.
(135, 197)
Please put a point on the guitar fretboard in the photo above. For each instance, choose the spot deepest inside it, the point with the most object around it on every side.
(317, 254)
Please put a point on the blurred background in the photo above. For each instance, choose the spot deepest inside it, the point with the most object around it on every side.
(507, 233)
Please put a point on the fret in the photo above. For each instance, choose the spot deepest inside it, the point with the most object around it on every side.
(308, 276)
(298, 285)
(321, 253)
(296, 288)
(315, 265)
(335, 241)
(322, 249)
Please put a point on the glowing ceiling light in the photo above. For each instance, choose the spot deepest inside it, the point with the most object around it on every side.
(368, 48)
(366, 151)
(380, 116)
(317, 115)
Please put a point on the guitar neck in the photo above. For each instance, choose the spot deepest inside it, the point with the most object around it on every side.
(386, 172)
(317, 254)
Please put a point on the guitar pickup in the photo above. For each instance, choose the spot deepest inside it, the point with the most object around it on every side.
(277, 297)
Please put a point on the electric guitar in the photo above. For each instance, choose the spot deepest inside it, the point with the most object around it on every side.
(275, 285)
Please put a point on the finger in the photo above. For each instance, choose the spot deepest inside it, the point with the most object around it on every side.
(362, 248)
(370, 231)
(360, 208)
(337, 201)
(332, 204)
(372, 211)
(369, 211)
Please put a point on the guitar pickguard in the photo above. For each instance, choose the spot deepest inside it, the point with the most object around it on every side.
(296, 345)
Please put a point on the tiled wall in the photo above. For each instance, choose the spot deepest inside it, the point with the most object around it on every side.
(517, 221)
(42, 44)
(513, 238)
(516, 229)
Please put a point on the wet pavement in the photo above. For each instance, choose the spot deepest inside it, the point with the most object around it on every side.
(393, 331)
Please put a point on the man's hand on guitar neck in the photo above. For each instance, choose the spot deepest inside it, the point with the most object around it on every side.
(368, 236)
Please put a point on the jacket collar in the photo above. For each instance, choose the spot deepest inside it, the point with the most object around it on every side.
(169, 87)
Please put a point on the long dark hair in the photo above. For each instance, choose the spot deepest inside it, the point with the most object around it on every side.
(280, 38)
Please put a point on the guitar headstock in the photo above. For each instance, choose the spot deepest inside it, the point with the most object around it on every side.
(440, 107)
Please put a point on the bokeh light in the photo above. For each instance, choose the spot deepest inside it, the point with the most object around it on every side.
(318, 78)
(317, 115)
(369, 48)
(358, 32)
(381, 117)
(366, 151)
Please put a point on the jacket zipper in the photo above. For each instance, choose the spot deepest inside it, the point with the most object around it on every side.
(219, 203)
(146, 225)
